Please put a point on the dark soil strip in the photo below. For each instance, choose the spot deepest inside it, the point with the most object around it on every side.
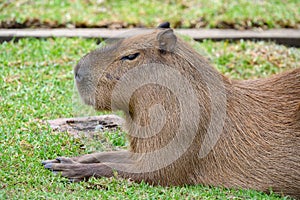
(201, 22)
(290, 37)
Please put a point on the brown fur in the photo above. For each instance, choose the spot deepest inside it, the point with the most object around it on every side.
(259, 145)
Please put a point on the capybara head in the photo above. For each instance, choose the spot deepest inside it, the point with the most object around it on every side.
(97, 73)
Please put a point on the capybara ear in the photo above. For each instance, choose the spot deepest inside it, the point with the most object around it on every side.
(166, 40)
(164, 25)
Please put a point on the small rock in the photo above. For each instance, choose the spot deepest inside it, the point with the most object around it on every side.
(99, 128)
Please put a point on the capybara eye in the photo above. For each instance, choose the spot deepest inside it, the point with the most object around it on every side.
(130, 56)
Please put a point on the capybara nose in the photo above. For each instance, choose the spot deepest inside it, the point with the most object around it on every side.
(77, 74)
(78, 77)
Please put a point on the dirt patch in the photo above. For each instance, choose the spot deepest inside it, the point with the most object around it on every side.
(88, 125)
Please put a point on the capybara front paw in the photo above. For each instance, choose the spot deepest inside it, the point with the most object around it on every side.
(75, 172)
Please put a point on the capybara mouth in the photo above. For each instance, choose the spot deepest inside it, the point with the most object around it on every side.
(88, 100)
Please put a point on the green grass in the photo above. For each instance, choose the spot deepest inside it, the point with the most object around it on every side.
(238, 14)
(37, 85)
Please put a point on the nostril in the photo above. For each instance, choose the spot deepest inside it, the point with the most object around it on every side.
(78, 77)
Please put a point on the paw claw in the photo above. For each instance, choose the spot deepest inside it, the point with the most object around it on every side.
(64, 160)
(48, 165)
(44, 162)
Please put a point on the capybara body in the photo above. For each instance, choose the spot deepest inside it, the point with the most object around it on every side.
(187, 123)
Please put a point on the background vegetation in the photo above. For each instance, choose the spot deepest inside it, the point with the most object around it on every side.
(239, 14)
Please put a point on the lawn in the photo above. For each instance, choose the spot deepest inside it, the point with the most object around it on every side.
(36, 81)
(239, 14)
